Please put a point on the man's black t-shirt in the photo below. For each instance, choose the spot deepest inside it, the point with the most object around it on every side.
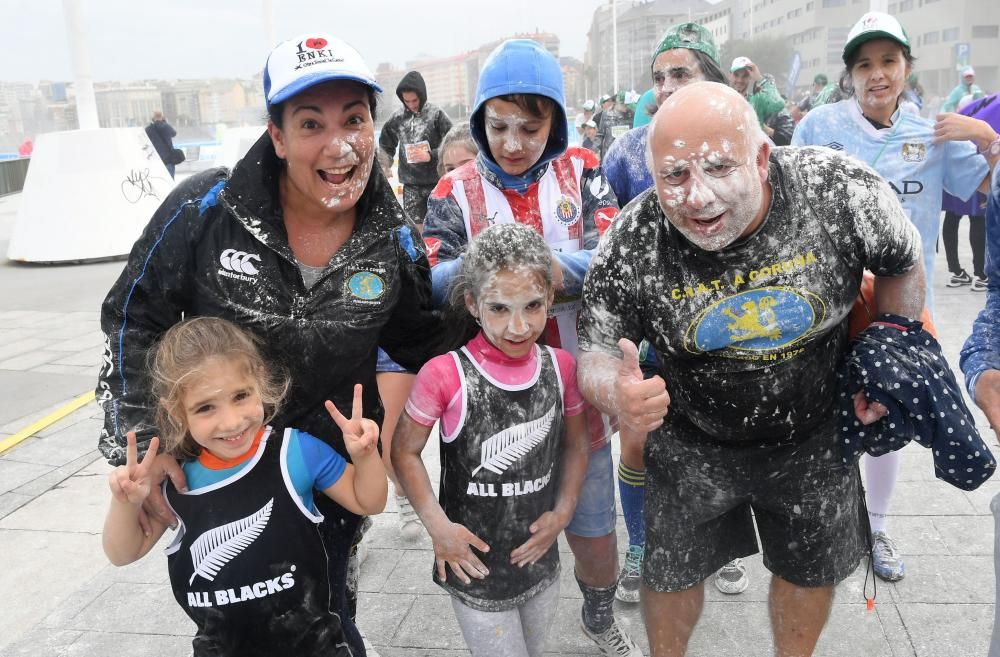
(749, 337)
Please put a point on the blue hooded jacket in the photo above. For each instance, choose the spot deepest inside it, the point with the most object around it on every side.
(520, 66)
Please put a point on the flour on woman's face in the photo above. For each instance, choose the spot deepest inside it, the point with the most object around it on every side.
(328, 143)
(516, 137)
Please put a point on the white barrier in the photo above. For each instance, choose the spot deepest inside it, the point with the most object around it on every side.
(88, 195)
(235, 144)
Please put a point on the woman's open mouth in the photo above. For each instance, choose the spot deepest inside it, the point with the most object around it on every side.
(337, 176)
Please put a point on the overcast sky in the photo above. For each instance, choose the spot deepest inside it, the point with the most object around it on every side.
(136, 39)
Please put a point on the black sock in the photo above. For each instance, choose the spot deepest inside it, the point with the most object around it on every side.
(598, 606)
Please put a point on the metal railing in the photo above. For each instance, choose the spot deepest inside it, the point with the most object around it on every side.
(12, 175)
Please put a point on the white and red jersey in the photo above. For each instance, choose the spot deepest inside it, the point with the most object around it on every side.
(569, 203)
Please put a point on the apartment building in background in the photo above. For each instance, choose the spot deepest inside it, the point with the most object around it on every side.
(946, 35)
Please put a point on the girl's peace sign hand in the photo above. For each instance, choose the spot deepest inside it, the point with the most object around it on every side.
(360, 434)
(131, 483)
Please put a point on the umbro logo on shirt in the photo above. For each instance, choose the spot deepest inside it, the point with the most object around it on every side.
(835, 145)
(238, 264)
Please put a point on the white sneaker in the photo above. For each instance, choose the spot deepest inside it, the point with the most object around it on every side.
(614, 642)
(409, 523)
(732, 578)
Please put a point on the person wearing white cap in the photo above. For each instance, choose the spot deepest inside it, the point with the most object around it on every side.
(919, 159)
(967, 87)
(303, 244)
(758, 89)
(582, 117)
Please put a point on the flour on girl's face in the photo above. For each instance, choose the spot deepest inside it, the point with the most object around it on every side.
(512, 309)
(516, 138)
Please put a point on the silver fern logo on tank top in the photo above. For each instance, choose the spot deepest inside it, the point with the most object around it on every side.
(501, 450)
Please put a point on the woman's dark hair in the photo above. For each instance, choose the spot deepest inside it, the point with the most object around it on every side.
(709, 68)
(275, 111)
(540, 107)
(846, 83)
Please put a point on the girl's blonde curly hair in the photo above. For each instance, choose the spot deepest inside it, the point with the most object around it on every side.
(178, 360)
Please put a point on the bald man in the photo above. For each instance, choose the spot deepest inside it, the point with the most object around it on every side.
(740, 267)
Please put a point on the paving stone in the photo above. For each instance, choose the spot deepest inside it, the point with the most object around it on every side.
(9, 350)
(133, 644)
(89, 357)
(143, 608)
(421, 652)
(895, 631)
(964, 535)
(86, 495)
(29, 360)
(938, 630)
(912, 498)
(434, 627)
(69, 370)
(981, 497)
(59, 446)
(380, 615)
(377, 568)
(412, 574)
(919, 534)
(51, 566)
(947, 580)
(14, 473)
(10, 502)
(40, 641)
(30, 396)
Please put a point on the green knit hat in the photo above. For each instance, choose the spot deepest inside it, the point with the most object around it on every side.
(691, 36)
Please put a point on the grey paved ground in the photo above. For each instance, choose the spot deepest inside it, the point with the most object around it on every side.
(60, 597)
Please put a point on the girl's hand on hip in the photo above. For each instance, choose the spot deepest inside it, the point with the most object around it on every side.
(544, 532)
(453, 545)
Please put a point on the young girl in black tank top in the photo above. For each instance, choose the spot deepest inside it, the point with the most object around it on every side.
(513, 453)
(248, 563)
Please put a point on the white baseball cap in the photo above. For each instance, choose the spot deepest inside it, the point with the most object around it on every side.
(309, 59)
(589, 105)
(740, 63)
(968, 70)
(875, 25)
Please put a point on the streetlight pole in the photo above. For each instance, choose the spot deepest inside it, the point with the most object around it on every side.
(614, 44)
(86, 103)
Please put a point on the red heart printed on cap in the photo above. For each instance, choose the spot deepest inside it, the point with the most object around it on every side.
(317, 43)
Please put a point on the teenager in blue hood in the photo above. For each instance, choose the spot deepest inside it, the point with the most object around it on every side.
(525, 174)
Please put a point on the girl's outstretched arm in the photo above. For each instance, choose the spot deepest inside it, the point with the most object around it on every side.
(362, 489)
(451, 540)
(124, 539)
(573, 469)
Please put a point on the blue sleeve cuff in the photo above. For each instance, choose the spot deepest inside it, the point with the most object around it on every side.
(325, 466)
(441, 276)
(574, 266)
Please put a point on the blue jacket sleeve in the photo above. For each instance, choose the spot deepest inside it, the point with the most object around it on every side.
(981, 351)
(445, 238)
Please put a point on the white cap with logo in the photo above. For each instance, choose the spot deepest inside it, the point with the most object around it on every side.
(297, 64)
(875, 25)
(740, 63)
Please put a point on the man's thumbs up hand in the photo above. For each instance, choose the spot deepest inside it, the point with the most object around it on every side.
(642, 404)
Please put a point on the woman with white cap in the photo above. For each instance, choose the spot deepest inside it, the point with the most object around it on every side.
(303, 244)
(918, 158)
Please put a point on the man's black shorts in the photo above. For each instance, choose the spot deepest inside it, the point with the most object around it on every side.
(699, 497)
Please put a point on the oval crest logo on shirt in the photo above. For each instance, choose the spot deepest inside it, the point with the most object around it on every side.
(366, 285)
(567, 212)
(914, 152)
(756, 320)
